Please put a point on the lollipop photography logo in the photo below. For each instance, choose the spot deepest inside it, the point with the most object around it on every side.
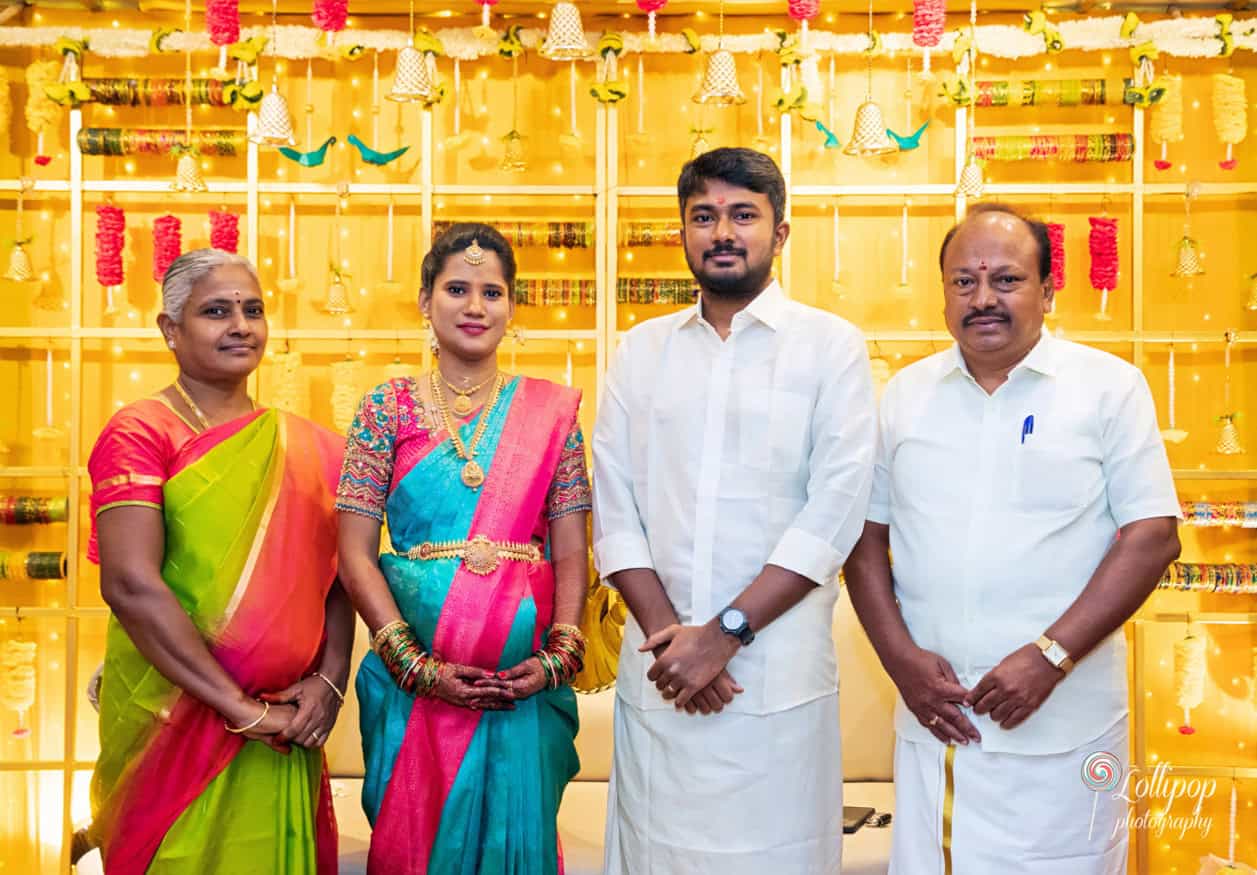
(1173, 804)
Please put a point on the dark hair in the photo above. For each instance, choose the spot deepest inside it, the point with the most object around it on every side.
(744, 168)
(458, 237)
(1037, 228)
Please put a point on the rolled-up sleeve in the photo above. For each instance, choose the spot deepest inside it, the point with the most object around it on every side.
(844, 440)
(619, 537)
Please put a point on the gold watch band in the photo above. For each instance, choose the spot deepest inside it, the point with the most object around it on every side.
(1061, 660)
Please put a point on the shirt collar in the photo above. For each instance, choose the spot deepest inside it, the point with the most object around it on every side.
(1041, 359)
(768, 307)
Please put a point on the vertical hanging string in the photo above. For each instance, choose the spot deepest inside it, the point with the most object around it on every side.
(759, 101)
(388, 257)
(48, 388)
(903, 245)
(641, 97)
(1171, 389)
(292, 238)
(375, 100)
(832, 104)
(458, 92)
(836, 282)
(1230, 848)
(515, 93)
(1226, 369)
(567, 369)
(571, 97)
(187, 74)
(869, 85)
(907, 97)
(309, 107)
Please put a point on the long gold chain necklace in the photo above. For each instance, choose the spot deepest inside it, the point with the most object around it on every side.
(472, 474)
(462, 401)
(196, 408)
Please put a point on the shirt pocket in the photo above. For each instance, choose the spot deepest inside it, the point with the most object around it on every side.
(773, 431)
(1060, 474)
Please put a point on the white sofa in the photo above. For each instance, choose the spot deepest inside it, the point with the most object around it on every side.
(867, 700)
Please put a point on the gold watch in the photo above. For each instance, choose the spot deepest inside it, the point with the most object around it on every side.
(1054, 653)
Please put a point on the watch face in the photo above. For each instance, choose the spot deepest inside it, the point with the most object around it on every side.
(732, 619)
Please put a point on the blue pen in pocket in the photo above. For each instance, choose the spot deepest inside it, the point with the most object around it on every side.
(1027, 427)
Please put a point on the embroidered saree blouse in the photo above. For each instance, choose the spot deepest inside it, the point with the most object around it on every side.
(392, 415)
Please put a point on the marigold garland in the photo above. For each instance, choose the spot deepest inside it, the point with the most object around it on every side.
(1056, 234)
(167, 244)
(330, 15)
(222, 21)
(224, 230)
(111, 225)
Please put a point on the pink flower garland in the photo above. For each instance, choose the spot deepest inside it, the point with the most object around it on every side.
(224, 230)
(167, 244)
(330, 15)
(1056, 233)
(928, 19)
(803, 10)
(111, 225)
(1103, 245)
(222, 20)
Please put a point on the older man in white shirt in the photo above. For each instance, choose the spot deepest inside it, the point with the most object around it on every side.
(1007, 468)
(733, 461)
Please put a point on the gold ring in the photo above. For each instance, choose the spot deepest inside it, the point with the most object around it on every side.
(934, 721)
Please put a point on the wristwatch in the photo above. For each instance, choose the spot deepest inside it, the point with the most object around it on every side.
(1055, 654)
(733, 622)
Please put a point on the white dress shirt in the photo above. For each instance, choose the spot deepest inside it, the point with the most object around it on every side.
(713, 458)
(1001, 507)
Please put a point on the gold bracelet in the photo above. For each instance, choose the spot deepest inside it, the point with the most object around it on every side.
(383, 631)
(266, 709)
(325, 679)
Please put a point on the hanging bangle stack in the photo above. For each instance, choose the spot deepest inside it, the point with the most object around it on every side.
(240, 730)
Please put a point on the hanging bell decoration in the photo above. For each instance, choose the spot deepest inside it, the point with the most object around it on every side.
(188, 175)
(20, 269)
(699, 145)
(1251, 303)
(565, 40)
(1188, 259)
(337, 301)
(274, 121)
(868, 137)
(1229, 438)
(970, 184)
(513, 159)
(720, 80)
(413, 81)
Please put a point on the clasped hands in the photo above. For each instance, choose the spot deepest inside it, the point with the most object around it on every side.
(302, 714)
(1009, 693)
(689, 666)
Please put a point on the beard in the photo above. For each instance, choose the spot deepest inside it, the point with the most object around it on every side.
(730, 285)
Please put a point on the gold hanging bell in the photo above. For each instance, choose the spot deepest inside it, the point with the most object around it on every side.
(513, 159)
(971, 182)
(337, 301)
(413, 82)
(868, 136)
(20, 269)
(1188, 259)
(188, 175)
(565, 39)
(274, 121)
(720, 80)
(1229, 438)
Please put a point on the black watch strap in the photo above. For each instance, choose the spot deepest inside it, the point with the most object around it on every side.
(733, 622)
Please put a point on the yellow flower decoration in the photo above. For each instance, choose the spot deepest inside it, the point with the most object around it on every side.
(610, 42)
(426, 41)
(962, 45)
(247, 51)
(68, 93)
(612, 91)
(692, 42)
(243, 96)
(1224, 33)
(1144, 51)
(67, 46)
(957, 91)
(1129, 25)
(351, 52)
(511, 46)
(875, 46)
(156, 41)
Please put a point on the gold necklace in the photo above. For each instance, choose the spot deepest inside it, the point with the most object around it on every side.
(462, 403)
(472, 474)
(195, 408)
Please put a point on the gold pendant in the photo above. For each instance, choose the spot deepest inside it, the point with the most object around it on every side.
(473, 474)
(462, 404)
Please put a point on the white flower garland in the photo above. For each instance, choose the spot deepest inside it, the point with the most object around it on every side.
(1180, 37)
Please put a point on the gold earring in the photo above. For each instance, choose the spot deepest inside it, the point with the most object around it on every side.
(434, 344)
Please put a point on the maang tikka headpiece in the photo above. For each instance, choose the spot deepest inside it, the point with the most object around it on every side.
(473, 254)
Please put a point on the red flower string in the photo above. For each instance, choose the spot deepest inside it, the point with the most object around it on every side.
(803, 10)
(330, 15)
(1103, 245)
(1056, 233)
(224, 230)
(167, 244)
(928, 19)
(222, 20)
(111, 225)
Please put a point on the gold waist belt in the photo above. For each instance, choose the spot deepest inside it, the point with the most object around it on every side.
(479, 554)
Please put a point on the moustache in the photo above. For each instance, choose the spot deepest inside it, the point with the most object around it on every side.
(716, 253)
(983, 314)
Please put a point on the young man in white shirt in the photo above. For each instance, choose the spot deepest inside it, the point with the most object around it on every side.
(732, 465)
(1007, 466)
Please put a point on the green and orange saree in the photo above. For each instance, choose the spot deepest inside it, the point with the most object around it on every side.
(250, 554)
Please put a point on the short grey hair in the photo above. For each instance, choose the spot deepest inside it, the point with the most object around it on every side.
(189, 269)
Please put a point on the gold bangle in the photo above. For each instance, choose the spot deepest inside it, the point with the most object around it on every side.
(382, 632)
(266, 709)
(325, 679)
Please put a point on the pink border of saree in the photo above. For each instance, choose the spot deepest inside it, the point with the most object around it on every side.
(439, 734)
(273, 598)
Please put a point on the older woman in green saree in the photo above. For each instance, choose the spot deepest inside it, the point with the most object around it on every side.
(228, 645)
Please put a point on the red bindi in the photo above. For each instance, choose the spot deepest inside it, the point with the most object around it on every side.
(981, 265)
(720, 201)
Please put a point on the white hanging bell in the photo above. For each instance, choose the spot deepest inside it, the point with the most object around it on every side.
(274, 121)
(188, 175)
(868, 136)
(20, 269)
(413, 82)
(720, 80)
(565, 39)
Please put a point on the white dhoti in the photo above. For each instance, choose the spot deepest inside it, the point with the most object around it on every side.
(726, 794)
(995, 813)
